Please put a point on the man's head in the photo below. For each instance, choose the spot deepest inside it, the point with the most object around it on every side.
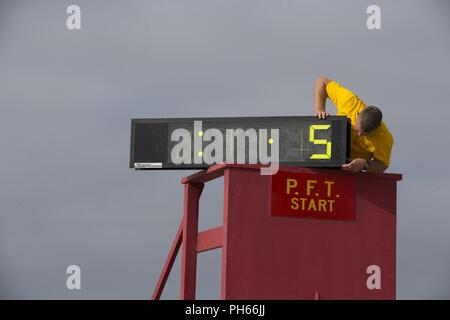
(368, 119)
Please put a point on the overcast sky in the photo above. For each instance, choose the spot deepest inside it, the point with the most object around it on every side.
(67, 195)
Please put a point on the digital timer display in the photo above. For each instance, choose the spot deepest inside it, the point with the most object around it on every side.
(190, 143)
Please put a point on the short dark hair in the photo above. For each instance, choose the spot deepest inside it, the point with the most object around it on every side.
(371, 117)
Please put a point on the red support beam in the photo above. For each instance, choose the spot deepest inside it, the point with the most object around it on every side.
(192, 193)
(168, 265)
(209, 239)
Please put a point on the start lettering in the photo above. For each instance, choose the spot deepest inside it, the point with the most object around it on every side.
(306, 204)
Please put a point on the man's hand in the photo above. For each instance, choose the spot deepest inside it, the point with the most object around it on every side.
(320, 97)
(321, 114)
(357, 165)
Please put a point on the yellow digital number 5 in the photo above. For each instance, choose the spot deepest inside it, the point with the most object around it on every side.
(312, 128)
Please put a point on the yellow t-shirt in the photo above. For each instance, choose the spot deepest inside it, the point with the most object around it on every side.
(377, 143)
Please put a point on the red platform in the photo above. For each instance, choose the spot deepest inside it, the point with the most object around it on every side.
(337, 240)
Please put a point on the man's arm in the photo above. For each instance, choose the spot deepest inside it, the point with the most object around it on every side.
(320, 97)
(357, 165)
(376, 166)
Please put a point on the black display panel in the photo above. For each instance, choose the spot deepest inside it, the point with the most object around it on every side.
(191, 143)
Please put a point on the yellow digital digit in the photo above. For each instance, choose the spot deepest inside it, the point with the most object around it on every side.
(312, 129)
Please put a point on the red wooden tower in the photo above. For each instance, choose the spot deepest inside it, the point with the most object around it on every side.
(300, 234)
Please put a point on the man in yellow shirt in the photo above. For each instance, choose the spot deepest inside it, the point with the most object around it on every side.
(370, 140)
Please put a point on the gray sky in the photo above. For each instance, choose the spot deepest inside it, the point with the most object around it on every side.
(66, 99)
